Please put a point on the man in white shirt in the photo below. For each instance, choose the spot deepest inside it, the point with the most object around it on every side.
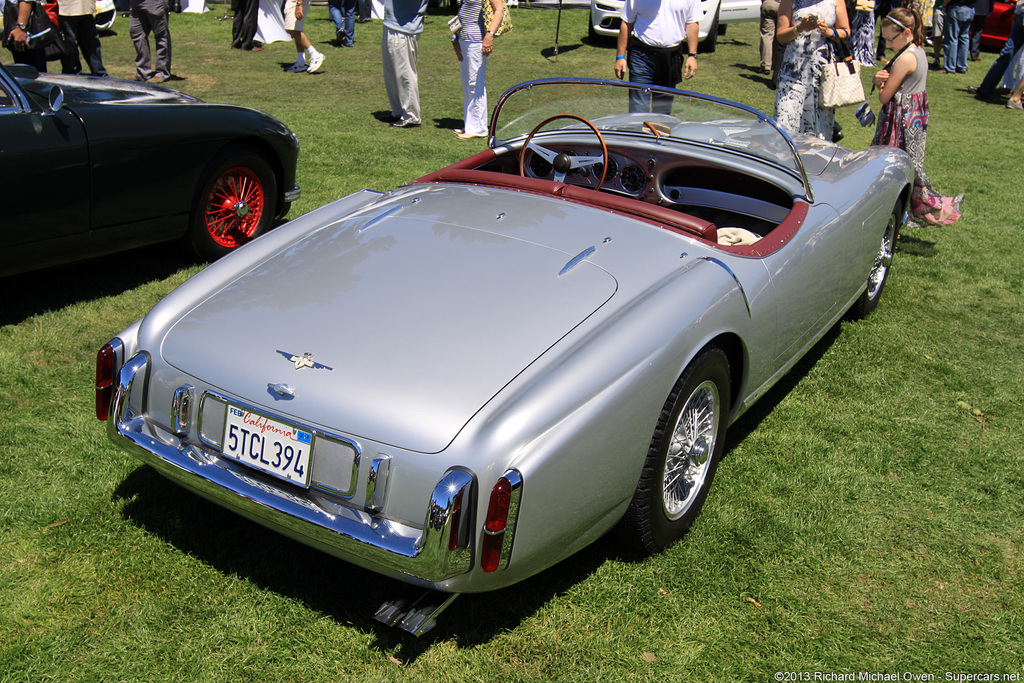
(652, 36)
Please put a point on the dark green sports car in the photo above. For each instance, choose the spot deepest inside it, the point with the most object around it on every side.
(92, 166)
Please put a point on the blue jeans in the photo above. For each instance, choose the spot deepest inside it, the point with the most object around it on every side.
(998, 68)
(644, 67)
(343, 14)
(957, 41)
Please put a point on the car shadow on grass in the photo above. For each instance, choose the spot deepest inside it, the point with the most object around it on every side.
(40, 291)
(348, 594)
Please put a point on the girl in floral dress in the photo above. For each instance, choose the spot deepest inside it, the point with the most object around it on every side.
(806, 28)
(903, 121)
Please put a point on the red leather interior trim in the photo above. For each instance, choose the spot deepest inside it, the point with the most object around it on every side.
(465, 171)
(475, 161)
(498, 179)
(669, 218)
(782, 233)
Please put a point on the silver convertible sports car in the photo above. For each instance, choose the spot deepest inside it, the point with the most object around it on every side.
(463, 381)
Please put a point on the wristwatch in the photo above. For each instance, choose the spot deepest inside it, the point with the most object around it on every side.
(23, 27)
(692, 54)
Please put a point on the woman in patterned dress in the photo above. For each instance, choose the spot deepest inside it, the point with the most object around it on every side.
(806, 28)
(903, 121)
(862, 27)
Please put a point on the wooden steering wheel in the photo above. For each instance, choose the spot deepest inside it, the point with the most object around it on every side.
(561, 162)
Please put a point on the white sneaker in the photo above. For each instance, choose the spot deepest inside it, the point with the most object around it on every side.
(295, 68)
(315, 61)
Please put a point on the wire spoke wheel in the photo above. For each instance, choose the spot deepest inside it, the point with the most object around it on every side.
(883, 260)
(683, 456)
(689, 450)
(234, 207)
(234, 203)
(878, 275)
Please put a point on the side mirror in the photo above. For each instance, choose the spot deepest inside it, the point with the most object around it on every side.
(56, 99)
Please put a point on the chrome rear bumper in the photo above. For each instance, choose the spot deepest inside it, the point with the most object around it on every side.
(425, 557)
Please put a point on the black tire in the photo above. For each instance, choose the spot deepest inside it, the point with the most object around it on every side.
(710, 42)
(663, 509)
(880, 268)
(235, 203)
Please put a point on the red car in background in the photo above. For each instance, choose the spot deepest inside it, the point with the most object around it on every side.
(997, 27)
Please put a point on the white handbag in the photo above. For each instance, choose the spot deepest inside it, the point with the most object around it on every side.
(840, 83)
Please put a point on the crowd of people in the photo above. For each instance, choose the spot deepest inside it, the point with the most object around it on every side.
(75, 24)
(657, 44)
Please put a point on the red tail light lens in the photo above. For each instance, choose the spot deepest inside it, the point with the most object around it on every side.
(497, 509)
(104, 381)
(494, 526)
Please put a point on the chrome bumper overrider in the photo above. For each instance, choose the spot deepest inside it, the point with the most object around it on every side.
(425, 557)
(293, 194)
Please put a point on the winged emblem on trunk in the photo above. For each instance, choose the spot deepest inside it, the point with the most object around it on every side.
(304, 361)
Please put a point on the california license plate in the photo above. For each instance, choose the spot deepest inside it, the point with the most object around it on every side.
(276, 447)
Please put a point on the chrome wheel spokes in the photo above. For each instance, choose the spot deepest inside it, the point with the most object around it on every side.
(690, 448)
(883, 259)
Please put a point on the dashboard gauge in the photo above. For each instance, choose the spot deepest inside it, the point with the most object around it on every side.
(539, 166)
(613, 168)
(633, 179)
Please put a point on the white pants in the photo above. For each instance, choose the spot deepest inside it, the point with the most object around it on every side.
(398, 51)
(473, 68)
(1015, 71)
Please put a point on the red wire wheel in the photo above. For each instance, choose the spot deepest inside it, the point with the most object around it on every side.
(234, 206)
(234, 203)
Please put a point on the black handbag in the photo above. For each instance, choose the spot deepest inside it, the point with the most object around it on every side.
(41, 31)
(60, 48)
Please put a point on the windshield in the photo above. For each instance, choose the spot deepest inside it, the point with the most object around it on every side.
(615, 106)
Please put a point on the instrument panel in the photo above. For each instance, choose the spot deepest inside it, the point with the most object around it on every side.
(624, 174)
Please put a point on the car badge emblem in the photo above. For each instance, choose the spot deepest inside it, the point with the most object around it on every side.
(304, 361)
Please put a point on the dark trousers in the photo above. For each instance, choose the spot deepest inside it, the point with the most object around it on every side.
(150, 16)
(34, 58)
(976, 25)
(80, 31)
(243, 28)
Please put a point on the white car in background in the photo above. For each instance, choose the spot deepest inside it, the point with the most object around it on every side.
(604, 18)
(106, 13)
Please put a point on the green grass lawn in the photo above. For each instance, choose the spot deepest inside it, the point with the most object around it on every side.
(866, 517)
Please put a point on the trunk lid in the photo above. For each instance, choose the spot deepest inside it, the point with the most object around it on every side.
(414, 324)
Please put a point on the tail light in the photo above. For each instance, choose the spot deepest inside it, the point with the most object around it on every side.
(499, 527)
(105, 361)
